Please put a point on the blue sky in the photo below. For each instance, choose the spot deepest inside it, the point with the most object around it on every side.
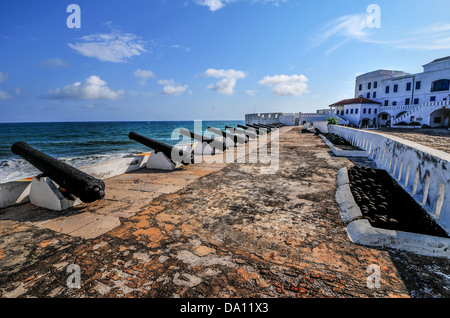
(202, 59)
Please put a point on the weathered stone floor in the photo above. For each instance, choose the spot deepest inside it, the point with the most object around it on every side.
(210, 230)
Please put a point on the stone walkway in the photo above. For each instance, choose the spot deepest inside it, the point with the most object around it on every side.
(210, 230)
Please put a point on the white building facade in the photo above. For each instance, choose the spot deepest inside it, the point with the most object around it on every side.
(401, 98)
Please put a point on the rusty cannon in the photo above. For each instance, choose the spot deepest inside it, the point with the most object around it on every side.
(173, 153)
(71, 181)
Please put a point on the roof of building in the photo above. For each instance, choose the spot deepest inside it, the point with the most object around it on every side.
(441, 59)
(358, 100)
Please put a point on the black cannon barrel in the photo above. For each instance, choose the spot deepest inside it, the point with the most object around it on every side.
(248, 133)
(196, 136)
(269, 129)
(72, 180)
(236, 138)
(171, 152)
(260, 129)
(248, 128)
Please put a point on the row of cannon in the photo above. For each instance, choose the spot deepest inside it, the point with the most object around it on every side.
(87, 188)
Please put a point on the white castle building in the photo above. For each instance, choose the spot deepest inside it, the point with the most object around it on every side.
(388, 98)
(385, 98)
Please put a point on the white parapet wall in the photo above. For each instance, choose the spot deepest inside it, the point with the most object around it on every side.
(422, 171)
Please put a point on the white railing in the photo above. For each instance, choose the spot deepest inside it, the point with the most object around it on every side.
(422, 171)
(416, 108)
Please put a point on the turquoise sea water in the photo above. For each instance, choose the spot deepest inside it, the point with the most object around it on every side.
(84, 143)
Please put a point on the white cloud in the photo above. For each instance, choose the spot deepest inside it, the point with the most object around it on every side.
(143, 75)
(355, 28)
(346, 28)
(213, 5)
(3, 77)
(171, 89)
(90, 89)
(286, 85)
(53, 63)
(4, 95)
(110, 47)
(251, 92)
(430, 38)
(228, 82)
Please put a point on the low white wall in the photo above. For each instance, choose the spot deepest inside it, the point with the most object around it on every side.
(321, 125)
(422, 171)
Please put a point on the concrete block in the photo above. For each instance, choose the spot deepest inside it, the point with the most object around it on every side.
(160, 161)
(361, 232)
(45, 194)
(349, 209)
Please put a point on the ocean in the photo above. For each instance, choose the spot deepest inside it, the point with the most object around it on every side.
(84, 143)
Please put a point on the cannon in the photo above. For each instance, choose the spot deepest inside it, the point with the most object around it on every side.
(248, 133)
(236, 138)
(70, 180)
(248, 128)
(264, 126)
(213, 143)
(173, 153)
(196, 136)
(259, 128)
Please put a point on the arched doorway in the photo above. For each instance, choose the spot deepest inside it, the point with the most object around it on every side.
(365, 122)
(384, 119)
(440, 118)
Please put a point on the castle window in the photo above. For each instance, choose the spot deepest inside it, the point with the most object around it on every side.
(356, 110)
(368, 95)
(408, 86)
(440, 85)
(432, 98)
(395, 88)
(386, 103)
(394, 103)
(375, 84)
(416, 101)
(387, 90)
(374, 94)
(364, 110)
(369, 85)
(360, 87)
(407, 101)
(418, 84)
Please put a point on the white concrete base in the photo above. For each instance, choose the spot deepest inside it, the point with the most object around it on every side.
(203, 148)
(344, 153)
(160, 161)
(229, 142)
(361, 232)
(44, 193)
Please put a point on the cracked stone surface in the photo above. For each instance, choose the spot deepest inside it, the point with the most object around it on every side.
(212, 230)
